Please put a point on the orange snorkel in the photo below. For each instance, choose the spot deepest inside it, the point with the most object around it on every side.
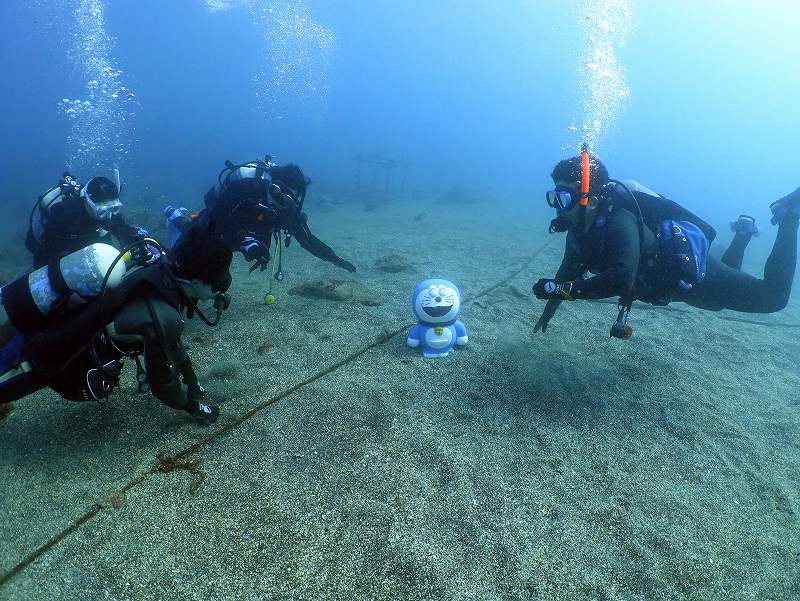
(585, 175)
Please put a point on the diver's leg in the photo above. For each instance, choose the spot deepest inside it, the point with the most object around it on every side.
(744, 228)
(7, 331)
(780, 267)
(728, 288)
(734, 254)
(17, 379)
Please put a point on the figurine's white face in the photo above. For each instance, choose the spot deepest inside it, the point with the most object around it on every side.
(437, 304)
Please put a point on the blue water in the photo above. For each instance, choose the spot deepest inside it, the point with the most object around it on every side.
(469, 92)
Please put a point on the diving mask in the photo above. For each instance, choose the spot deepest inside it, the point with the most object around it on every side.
(284, 204)
(283, 195)
(101, 198)
(201, 290)
(560, 199)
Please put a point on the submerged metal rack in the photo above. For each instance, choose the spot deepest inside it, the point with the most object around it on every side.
(374, 176)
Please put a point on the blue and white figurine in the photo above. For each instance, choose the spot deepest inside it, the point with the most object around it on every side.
(436, 305)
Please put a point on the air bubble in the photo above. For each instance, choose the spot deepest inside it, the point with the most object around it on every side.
(100, 132)
(296, 57)
(603, 88)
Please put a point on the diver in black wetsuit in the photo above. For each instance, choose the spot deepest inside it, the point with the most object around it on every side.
(642, 246)
(78, 353)
(69, 216)
(252, 204)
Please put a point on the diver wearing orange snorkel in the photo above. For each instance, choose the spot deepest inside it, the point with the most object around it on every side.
(626, 241)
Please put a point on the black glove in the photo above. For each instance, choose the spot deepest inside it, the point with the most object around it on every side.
(317, 247)
(254, 250)
(547, 289)
(346, 265)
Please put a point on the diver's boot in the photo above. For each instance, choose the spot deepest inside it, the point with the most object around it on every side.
(204, 413)
(789, 204)
(745, 226)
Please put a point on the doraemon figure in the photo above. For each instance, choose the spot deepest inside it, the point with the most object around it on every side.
(436, 305)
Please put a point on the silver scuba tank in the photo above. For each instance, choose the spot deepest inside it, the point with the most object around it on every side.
(635, 186)
(71, 281)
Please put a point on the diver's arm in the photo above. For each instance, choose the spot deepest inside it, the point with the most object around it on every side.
(623, 249)
(317, 247)
(124, 232)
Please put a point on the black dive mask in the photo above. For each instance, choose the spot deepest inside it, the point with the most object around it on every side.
(283, 203)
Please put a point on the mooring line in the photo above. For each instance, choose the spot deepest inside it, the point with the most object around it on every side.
(237, 421)
(668, 309)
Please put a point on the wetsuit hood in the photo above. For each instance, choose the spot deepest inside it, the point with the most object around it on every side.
(200, 255)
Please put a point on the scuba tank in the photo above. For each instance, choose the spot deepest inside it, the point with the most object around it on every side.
(652, 208)
(67, 281)
(37, 222)
(257, 169)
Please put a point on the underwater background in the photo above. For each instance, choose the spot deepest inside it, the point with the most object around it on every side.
(695, 101)
(565, 466)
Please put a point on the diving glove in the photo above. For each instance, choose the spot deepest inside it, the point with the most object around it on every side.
(547, 289)
(144, 254)
(254, 250)
(345, 265)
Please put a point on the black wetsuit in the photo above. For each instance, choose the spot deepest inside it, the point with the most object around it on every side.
(726, 287)
(623, 266)
(242, 209)
(144, 313)
(69, 228)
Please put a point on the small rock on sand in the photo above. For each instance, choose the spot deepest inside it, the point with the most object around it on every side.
(337, 290)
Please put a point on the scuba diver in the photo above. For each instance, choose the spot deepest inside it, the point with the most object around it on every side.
(70, 324)
(642, 246)
(251, 205)
(68, 217)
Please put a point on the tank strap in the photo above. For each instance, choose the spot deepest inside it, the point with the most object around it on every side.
(56, 278)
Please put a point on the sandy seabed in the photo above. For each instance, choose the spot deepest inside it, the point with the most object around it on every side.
(524, 466)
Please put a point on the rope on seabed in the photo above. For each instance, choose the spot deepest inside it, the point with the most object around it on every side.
(237, 421)
(755, 322)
